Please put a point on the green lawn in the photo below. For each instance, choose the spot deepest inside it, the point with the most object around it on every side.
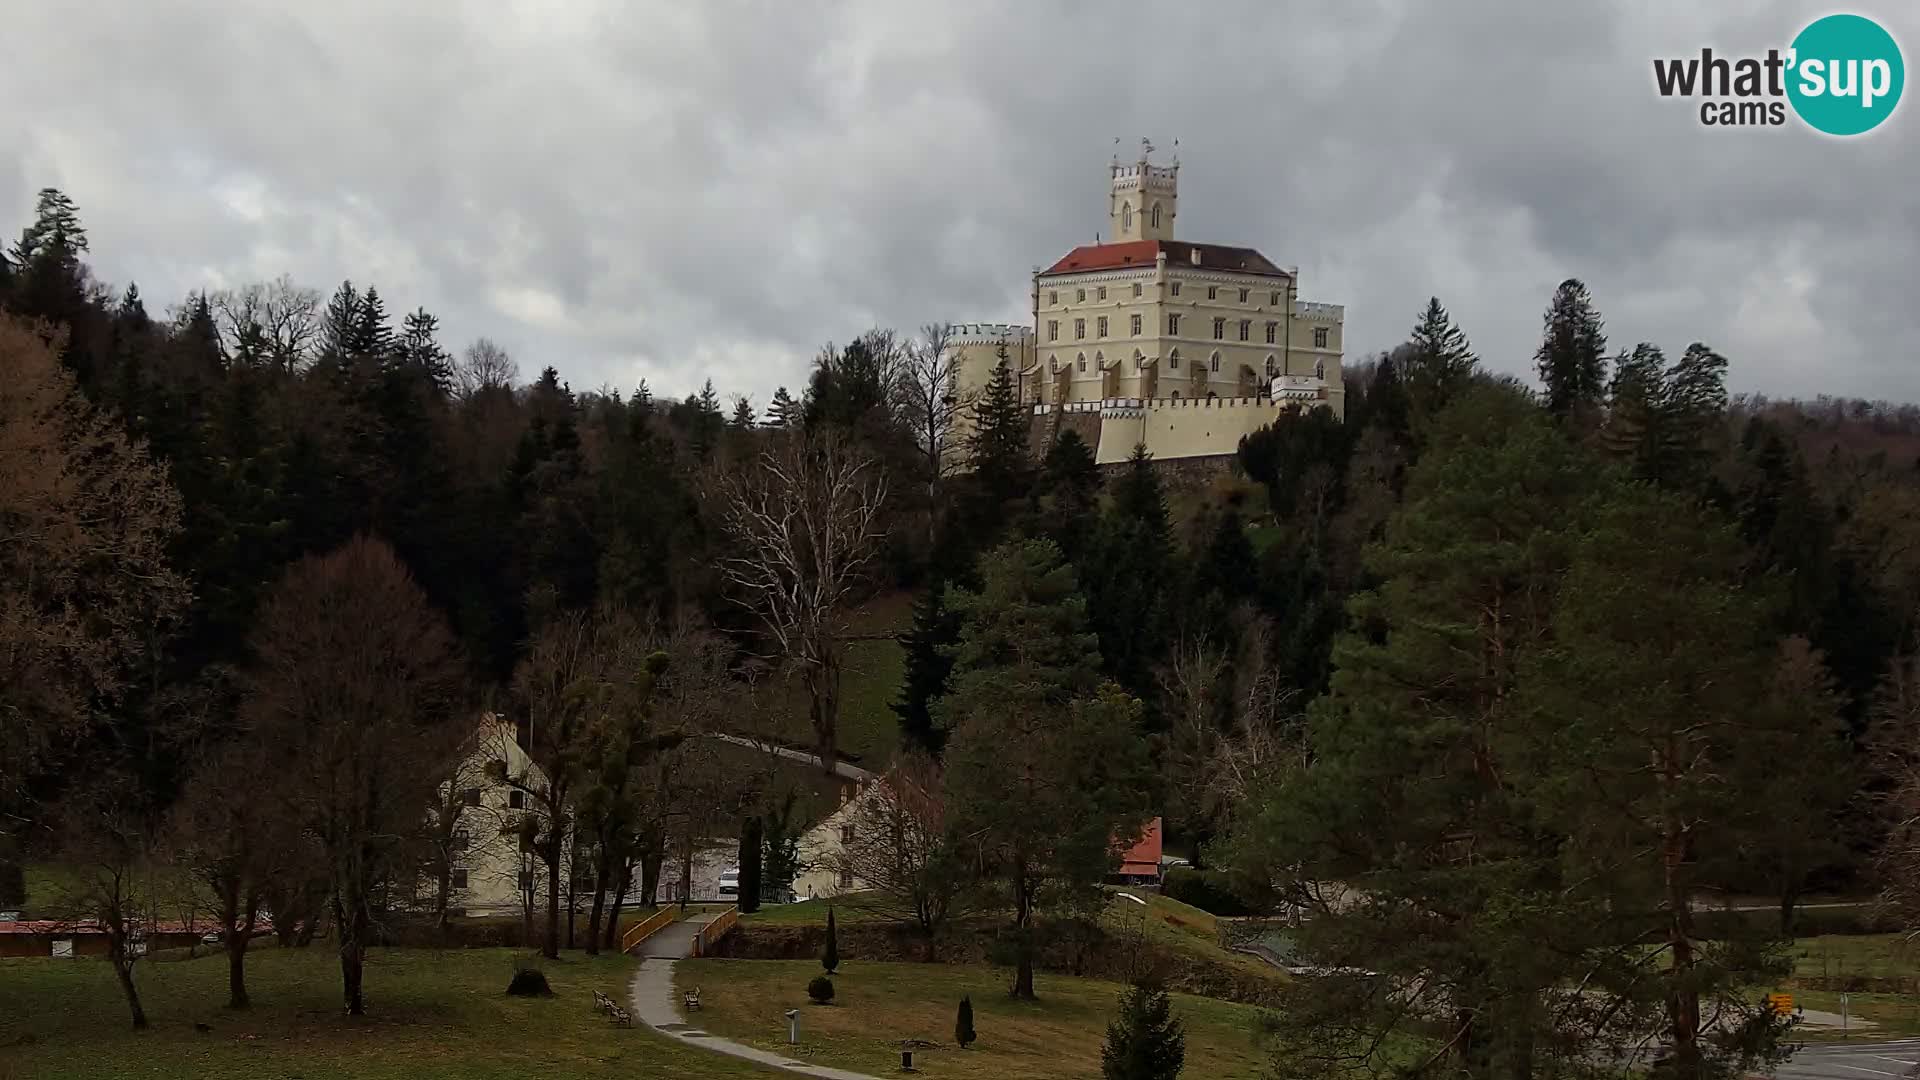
(1877, 956)
(877, 1005)
(432, 1016)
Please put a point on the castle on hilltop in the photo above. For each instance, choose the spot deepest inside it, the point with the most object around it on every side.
(1148, 340)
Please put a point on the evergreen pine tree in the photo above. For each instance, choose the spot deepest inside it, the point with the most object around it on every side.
(784, 412)
(999, 453)
(420, 350)
(742, 418)
(830, 956)
(929, 664)
(748, 884)
(1438, 363)
(643, 397)
(707, 421)
(1066, 495)
(56, 232)
(339, 322)
(1145, 1042)
(1572, 358)
(1137, 495)
(963, 1033)
(372, 338)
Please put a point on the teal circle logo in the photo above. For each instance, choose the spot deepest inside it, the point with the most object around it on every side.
(1845, 74)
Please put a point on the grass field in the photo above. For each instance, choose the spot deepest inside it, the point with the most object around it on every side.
(432, 1016)
(877, 1005)
(1876, 956)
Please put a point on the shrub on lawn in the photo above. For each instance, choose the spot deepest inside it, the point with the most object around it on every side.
(963, 1026)
(1144, 1042)
(529, 981)
(820, 989)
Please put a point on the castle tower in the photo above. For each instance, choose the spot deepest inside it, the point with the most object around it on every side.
(1143, 199)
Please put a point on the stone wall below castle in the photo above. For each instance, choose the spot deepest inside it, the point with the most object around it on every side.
(1170, 429)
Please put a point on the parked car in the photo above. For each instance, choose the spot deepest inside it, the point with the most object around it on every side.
(730, 882)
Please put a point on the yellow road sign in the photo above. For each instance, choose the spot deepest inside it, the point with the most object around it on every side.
(1781, 1004)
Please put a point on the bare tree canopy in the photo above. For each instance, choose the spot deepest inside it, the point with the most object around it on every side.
(803, 518)
(484, 366)
(359, 687)
(274, 322)
(85, 519)
(933, 399)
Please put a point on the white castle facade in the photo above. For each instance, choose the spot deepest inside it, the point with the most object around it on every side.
(1181, 347)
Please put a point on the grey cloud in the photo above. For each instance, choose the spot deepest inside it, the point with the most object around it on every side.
(687, 190)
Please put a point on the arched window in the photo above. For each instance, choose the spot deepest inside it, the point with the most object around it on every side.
(1156, 215)
(1139, 361)
(1099, 361)
(1213, 362)
(1211, 395)
(1082, 361)
(1320, 369)
(1176, 395)
(1126, 216)
(1273, 368)
(1173, 360)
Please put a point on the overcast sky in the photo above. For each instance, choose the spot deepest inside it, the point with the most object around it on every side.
(696, 189)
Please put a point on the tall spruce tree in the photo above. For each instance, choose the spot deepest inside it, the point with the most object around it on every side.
(1572, 358)
(1437, 364)
(929, 665)
(1001, 463)
(784, 412)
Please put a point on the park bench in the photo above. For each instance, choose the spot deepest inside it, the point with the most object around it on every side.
(692, 998)
(620, 1016)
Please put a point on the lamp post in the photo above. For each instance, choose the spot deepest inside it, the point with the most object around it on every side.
(793, 1026)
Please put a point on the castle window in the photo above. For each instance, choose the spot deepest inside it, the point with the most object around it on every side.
(1053, 296)
(1156, 215)
(1126, 215)
(1136, 289)
(1136, 326)
(1103, 292)
(1243, 296)
(1273, 299)
(1219, 329)
(1079, 329)
(460, 841)
(1079, 296)
(1083, 361)
(458, 880)
(1175, 288)
(1273, 368)
(1173, 323)
(1100, 327)
(1320, 369)
(1053, 329)
(1173, 360)
(1138, 360)
(1319, 337)
(517, 800)
(1273, 332)
(1246, 327)
(1176, 395)
(1213, 292)
(1213, 362)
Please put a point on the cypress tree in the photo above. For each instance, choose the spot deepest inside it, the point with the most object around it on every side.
(963, 1032)
(830, 956)
(748, 882)
(1572, 356)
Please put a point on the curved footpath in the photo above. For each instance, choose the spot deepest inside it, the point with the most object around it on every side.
(653, 1000)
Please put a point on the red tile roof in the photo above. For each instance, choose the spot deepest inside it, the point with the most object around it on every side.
(1145, 253)
(1144, 856)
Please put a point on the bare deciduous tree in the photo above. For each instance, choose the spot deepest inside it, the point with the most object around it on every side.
(803, 518)
(933, 399)
(483, 367)
(233, 837)
(109, 848)
(85, 520)
(1896, 756)
(358, 688)
(895, 842)
(273, 322)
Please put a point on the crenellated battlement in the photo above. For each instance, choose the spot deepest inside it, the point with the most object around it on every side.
(1307, 309)
(989, 333)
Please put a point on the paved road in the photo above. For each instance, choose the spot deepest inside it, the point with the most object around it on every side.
(840, 768)
(1864, 1060)
(655, 1003)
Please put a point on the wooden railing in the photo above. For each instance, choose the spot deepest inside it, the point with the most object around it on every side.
(646, 927)
(715, 930)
